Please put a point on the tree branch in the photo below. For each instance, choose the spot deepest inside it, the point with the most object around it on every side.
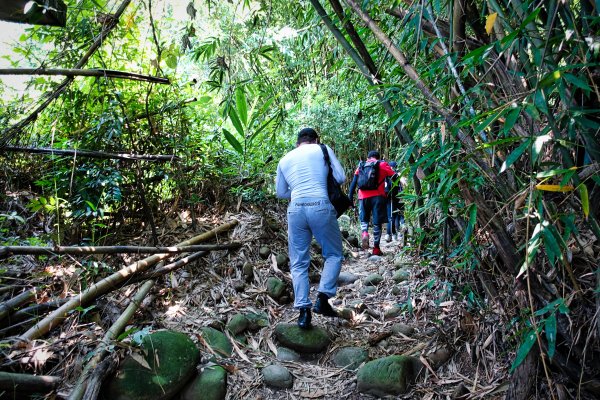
(106, 73)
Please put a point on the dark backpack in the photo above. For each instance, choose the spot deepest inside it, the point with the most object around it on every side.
(368, 175)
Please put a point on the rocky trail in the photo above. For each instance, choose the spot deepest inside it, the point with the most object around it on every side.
(235, 309)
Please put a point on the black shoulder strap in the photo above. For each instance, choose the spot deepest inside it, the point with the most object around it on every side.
(325, 154)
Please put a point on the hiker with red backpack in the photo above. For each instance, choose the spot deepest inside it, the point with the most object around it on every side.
(370, 178)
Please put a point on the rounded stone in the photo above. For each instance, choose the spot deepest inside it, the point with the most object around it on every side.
(350, 358)
(390, 375)
(285, 354)
(313, 340)
(400, 276)
(237, 324)
(392, 312)
(217, 341)
(277, 376)
(367, 290)
(264, 252)
(346, 278)
(404, 329)
(210, 384)
(166, 364)
(282, 261)
(248, 272)
(275, 287)
(373, 280)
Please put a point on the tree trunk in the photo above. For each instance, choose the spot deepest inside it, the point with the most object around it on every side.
(106, 73)
(91, 154)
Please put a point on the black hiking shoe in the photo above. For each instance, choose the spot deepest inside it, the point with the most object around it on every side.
(305, 318)
(323, 307)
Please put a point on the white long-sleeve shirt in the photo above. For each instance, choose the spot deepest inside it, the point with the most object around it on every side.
(302, 173)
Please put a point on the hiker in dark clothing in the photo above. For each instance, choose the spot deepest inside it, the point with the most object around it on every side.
(395, 206)
(370, 178)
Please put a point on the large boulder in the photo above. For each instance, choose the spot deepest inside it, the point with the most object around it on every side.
(217, 341)
(165, 365)
(210, 384)
(277, 376)
(350, 358)
(390, 375)
(313, 340)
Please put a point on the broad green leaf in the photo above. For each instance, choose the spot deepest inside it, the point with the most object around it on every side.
(235, 120)
(488, 120)
(553, 172)
(581, 84)
(553, 250)
(233, 141)
(585, 200)
(515, 155)
(540, 101)
(524, 349)
(511, 119)
(550, 327)
(171, 61)
(242, 105)
(549, 79)
(472, 222)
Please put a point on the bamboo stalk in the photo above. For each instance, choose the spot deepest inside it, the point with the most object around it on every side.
(109, 336)
(34, 250)
(19, 300)
(167, 268)
(91, 154)
(28, 383)
(106, 73)
(107, 284)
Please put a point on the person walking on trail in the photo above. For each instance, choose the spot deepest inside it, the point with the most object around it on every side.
(395, 207)
(302, 177)
(370, 178)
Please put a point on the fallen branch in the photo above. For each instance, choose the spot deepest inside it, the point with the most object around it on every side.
(28, 383)
(104, 369)
(106, 73)
(167, 268)
(91, 154)
(107, 284)
(19, 300)
(34, 250)
(111, 334)
(32, 311)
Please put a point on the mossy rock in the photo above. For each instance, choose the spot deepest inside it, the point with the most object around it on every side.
(166, 364)
(390, 375)
(275, 287)
(313, 340)
(257, 321)
(277, 376)
(237, 324)
(350, 358)
(282, 262)
(217, 341)
(401, 275)
(373, 280)
(210, 384)
(264, 252)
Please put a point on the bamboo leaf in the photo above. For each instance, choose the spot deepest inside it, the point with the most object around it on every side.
(553, 172)
(489, 22)
(233, 141)
(585, 200)
(550, 327)
(573, 80)
(524, 349)
(554, 188)
(515, 155)
(242, 105)
(511, 119)
(235, 120)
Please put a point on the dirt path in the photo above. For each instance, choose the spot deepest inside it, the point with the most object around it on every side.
(210, 298)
